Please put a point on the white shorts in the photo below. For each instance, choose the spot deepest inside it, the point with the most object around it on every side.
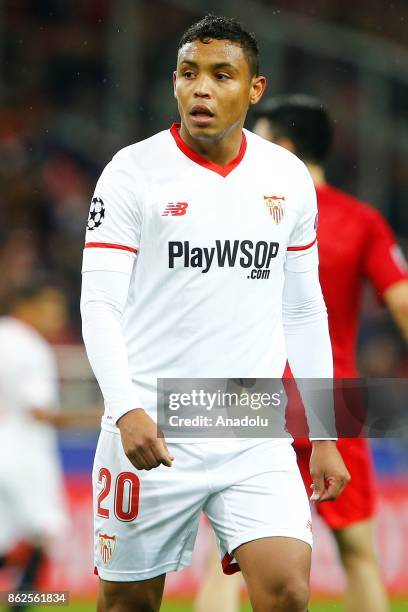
(146, 521)
(32, 504)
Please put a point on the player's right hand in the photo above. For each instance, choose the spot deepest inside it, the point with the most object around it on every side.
(142, 441)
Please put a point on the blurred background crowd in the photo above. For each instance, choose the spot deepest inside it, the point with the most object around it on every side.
(80, 79)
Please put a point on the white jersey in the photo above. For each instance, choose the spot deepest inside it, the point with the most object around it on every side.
(31, 495)
(28, 376)
(207, 247)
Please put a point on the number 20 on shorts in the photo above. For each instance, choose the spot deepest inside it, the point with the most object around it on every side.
(127, 487)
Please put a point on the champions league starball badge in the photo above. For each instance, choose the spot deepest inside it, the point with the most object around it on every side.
(96, 213)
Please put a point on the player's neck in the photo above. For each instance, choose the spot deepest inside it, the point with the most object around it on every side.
(220, 151)
(318, 174)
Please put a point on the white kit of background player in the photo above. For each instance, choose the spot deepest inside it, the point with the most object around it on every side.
(31, 486)
(198, 270)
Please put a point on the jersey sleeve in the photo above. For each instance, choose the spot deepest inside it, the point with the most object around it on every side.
(303, 235)
(114, 222)
(39, 387)
(103, 300)
(384, 263)
(307, 341)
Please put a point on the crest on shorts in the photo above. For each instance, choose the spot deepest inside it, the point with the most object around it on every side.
(276, 206)
(107, 545)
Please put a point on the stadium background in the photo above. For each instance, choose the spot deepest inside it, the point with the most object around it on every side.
(81, 78)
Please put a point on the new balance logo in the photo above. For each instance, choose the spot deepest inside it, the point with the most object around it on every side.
(175, 210)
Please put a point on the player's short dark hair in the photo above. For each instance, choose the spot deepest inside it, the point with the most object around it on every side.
(224, 28)
(304, 120)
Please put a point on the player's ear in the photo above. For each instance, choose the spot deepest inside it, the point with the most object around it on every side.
(258, 86)
(174, 82)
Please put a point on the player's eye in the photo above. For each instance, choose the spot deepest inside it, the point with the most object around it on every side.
(221, 76)
(188, 74)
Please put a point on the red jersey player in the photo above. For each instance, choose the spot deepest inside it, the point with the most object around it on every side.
(355, 244)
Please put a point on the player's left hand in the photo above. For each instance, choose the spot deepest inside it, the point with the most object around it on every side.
(327, 470)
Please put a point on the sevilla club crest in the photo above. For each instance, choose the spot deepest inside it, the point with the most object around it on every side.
(107, 546)
(276, 205)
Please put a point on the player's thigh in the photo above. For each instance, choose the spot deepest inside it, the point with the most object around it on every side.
(143, 596)
(266, 499)
(145, 521)
(275, 565)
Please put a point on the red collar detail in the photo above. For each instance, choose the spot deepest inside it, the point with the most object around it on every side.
(202, 161)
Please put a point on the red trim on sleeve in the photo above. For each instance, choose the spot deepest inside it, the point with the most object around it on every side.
(227, 567)
(302, 247)
(202, 161)
(107, 245)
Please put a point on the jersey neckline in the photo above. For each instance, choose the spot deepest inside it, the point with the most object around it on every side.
(202, 161)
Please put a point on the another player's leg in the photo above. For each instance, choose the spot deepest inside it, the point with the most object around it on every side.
(350, 518)
(365, 591)
(26, 560)
(143, 596)
(218, 591)
(30, 571)
(276, 571)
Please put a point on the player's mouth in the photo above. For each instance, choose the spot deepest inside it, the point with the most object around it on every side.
(201, 115)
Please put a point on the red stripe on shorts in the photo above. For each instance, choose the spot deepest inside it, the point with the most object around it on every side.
(228, 567)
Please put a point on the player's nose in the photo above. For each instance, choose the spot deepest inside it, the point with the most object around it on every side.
(202, 88)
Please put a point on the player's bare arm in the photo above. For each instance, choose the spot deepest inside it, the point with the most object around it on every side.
(69, 418)
(396, 298)
(142, 441)
(328, 471)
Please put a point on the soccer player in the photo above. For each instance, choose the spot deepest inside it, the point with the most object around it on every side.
(355, 245)
(200, 260)
(31, 489)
